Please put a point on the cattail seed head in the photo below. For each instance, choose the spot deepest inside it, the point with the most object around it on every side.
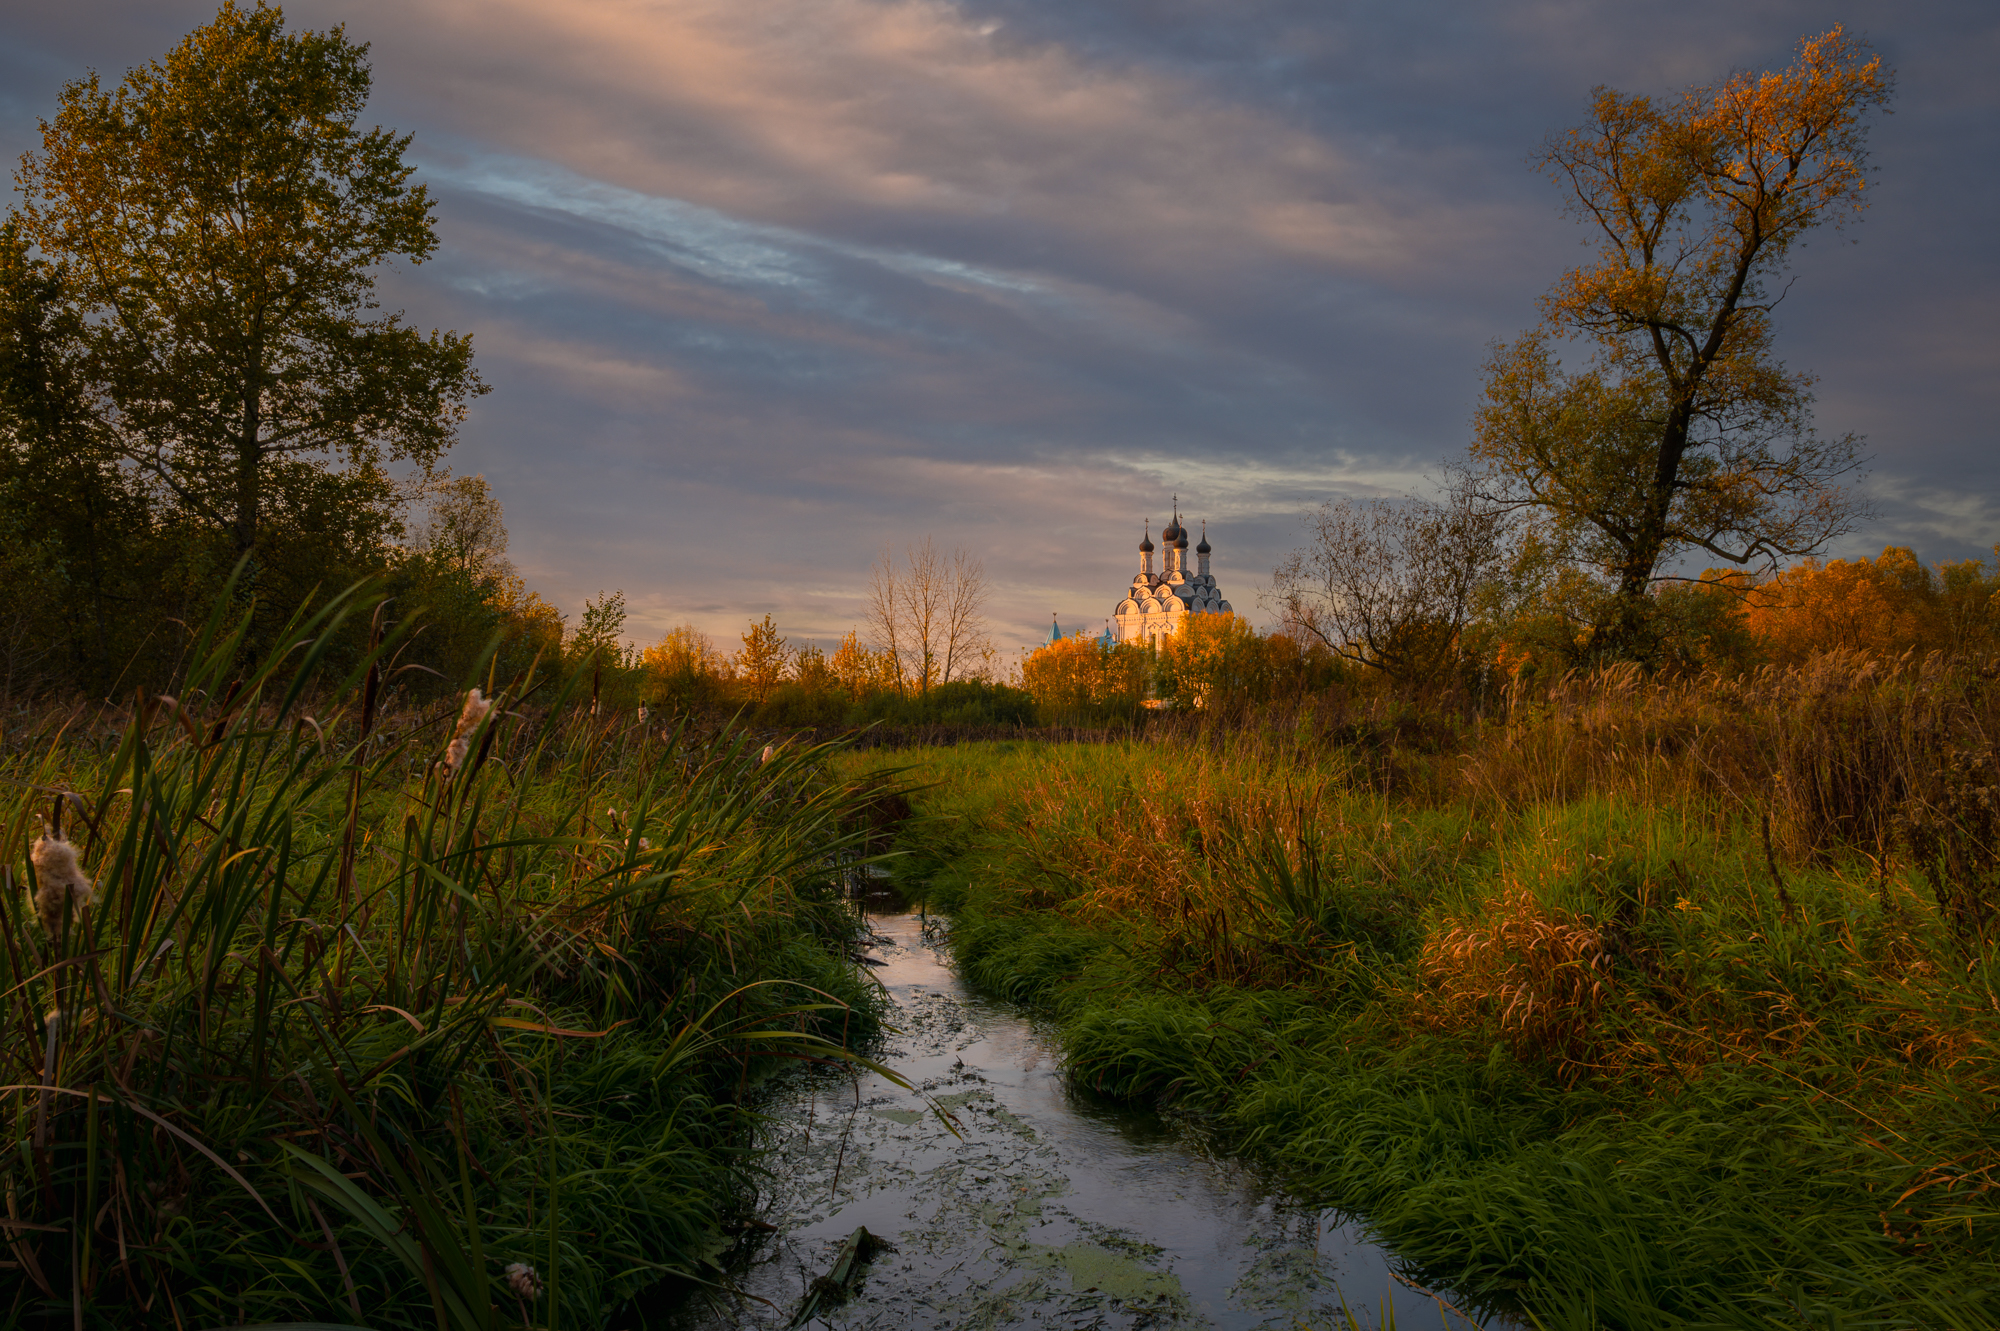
(469, 717)
(521, 1278)
(59, 881)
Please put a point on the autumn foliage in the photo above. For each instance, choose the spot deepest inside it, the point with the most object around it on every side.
(1883, 606)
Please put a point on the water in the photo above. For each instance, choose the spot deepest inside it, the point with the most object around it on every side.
(1047, 1210)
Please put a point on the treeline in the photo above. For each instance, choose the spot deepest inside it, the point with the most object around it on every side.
(773, 683)
(1726, 622)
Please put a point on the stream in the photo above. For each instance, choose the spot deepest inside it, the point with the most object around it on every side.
(1048, 1210)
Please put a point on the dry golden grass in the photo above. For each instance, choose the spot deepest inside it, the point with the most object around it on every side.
(1622, 878)
(1540, 975)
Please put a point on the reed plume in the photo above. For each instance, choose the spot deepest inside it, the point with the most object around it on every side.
(469, 717)
(59, 880)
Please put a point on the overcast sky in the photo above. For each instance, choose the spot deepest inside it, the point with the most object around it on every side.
(761, 285)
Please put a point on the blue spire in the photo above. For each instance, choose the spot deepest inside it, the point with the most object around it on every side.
(1055, 631)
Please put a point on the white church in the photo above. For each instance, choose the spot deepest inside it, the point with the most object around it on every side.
(1156, 603)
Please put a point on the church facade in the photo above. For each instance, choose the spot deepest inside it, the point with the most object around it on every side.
(1156, 603)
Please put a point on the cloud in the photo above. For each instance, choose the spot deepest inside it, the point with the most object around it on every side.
(764, 284)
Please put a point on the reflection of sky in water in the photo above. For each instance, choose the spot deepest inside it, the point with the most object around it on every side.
(1051, 1210)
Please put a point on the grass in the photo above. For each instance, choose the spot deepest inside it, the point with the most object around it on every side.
(1650, 1005)
(347, 1033)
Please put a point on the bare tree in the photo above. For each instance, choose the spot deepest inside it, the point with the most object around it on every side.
(1390, 583)
(887, 629)
(964, 628)
(928, 614)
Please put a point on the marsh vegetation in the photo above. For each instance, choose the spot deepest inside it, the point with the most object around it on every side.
(1641, 1003)
(396, 1015)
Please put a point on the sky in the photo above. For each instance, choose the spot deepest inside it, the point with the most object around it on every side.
(764, 288)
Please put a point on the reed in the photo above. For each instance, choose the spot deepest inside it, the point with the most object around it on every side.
(395, 1017)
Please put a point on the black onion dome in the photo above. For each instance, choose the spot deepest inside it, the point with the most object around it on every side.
(1203, 549)
(1172, 532)
(1146, 544)
(1180, 541)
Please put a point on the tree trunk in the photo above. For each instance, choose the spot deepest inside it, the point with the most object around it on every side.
(1630, 634)
(249, 472)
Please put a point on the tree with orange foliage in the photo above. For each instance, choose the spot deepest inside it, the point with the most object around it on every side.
(1681, 430)
(1210, 661)
(761, 663)
(1080, 675)
(1884, 606)
(685, 667)
(860, 672)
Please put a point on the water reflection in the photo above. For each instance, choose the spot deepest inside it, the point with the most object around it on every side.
(1048, 1209)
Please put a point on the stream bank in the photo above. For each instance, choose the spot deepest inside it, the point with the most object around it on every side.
(1047, 1208)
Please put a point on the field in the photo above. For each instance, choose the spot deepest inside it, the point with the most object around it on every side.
(321, 1009)
(1643, 1004)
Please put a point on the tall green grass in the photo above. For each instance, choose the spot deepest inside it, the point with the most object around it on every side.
(1639, 1007)
(347, 1033)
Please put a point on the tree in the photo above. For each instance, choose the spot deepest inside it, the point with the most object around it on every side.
(761, 663)
(1390, 584)
(216, 221)
(860, 671)
(599, 630)
(453, 575)
(1212, 662)
(465, 529)
(1079, 677)
(1681, 430)
(60, 487)
(928, 616)
(1883, 606)
(812, 673)
(685, 667)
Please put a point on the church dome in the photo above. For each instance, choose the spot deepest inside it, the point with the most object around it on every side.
(1146, 545)
(1203, 549)
(1172, 533)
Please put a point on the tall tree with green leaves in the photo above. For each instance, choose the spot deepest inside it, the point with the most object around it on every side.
(75, 527)
(1676, 428)
(217, 221)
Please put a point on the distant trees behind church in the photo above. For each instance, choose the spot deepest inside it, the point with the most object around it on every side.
(924, 655)
(1214, 663)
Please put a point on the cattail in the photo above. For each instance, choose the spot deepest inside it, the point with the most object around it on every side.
(474, 712)
(642, 714)
(521, 1278)
(769, 749)
(59, 880)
